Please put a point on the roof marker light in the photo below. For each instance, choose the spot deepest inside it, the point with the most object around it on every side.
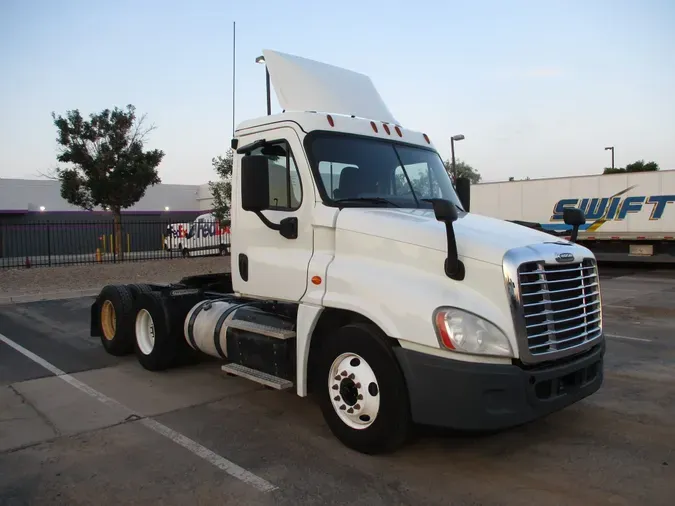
(426, 138)
(330, 120)
(372, 124)
(398, 131)
(386, 128)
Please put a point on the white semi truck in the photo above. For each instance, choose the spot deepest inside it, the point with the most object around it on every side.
(629, 216)
(362, 278)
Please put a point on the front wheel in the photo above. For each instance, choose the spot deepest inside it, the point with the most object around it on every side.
(361, 390)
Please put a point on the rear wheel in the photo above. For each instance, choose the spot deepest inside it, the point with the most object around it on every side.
(361, 390)
(156, 343)
(116, 320)
(138, 288)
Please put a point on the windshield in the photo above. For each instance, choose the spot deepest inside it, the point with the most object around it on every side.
(371, 172)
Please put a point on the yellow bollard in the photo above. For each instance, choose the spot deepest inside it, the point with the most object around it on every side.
(98, 254)
(103, 239)
(128, 243)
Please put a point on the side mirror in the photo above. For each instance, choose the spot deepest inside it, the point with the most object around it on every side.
(574, 217)
(446, 212)
(255, 183)
(463, 188)
(255, 194)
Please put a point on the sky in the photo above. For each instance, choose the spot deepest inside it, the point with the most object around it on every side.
(538, 88)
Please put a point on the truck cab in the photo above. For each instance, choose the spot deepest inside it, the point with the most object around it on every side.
(376, 289)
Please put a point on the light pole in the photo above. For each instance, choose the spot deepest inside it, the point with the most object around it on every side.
(458, 137)
(611, 148)
(261, 59)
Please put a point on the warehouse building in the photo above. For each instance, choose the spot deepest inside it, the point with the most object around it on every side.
(36, 221)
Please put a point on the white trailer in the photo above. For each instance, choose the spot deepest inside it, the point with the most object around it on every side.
(360, 278)
(629, 216)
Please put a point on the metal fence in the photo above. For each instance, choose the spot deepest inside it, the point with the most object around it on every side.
(51, 243)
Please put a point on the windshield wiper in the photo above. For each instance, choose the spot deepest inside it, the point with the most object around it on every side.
(376, 200)
(432, 200)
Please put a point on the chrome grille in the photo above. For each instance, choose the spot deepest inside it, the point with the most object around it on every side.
(560, 304)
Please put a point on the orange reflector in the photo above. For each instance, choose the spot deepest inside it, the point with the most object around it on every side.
(386, 128)
(426, 138)
(316, 280)
(330, 120)
(372, 124)
(440, 324)
(398, 131)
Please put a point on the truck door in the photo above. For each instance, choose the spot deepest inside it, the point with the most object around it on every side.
(264, 263)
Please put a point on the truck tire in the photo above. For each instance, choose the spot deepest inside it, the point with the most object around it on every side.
(116, 320)
(138, 288)
(156, 344)
(362, 391)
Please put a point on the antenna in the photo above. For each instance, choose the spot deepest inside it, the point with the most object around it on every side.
(234, 45)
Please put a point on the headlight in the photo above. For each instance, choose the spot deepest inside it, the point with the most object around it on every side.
(459, 330)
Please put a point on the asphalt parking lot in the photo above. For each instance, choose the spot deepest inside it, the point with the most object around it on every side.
(82, 427)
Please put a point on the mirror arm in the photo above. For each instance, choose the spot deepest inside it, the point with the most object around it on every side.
(445, 212)
(266, 221)
(454, 268)
(288, 227)
(575, 233)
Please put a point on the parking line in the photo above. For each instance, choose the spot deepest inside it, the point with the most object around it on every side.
(200, 451)
(642, 339)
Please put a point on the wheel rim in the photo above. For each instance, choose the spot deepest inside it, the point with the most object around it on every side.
(108, 320)
(145, 332)
(354, 391)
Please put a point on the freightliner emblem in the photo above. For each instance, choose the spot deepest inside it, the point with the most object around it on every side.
(564, 257)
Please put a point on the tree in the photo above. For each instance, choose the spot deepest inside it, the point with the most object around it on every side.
(638, 166)
(222, 190)
(109, 167)
(641, 166)
(463, 170)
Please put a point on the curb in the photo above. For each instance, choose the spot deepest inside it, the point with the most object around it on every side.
(36, 297)
(66, 294)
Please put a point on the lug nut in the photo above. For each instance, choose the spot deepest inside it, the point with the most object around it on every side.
(343, 407)
(360, 397)
(344, 373)
(350, 411)
(358, 385)
(357, 406)
(335, 387)
(352, 376)
(336, 398)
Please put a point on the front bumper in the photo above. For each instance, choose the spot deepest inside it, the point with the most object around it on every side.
(475, 396)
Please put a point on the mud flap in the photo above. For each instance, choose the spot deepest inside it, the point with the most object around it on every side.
(95, 319)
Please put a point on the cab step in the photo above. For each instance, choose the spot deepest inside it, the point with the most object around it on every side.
(260, 329)
(258, 376)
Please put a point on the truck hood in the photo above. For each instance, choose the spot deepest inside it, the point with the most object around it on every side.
(478, 237)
